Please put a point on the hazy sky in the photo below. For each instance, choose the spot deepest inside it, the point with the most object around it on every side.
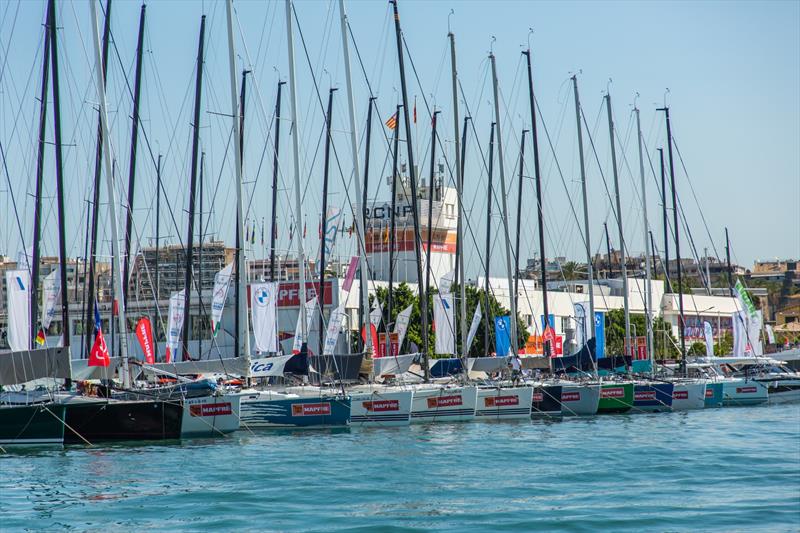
(732, 69)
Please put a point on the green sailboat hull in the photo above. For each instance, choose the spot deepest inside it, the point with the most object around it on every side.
(615, 398)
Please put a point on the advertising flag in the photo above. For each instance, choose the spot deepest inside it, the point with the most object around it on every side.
(401, 324)
(708, 333)
(174, 324)
(98, 356)
(444, 320)
(51, 288)
(144, 332)
(473, 328)
(264, 311)
(351, 273)
(298, 330)
(222, 281)
(502, 336)
(334, 327)
(18, 298)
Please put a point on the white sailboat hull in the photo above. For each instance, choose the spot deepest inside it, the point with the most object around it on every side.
(500, 403)
(442, 404)
(689, 395)
(579, 399)
(210, 416)
(743, 392)
(381, 408)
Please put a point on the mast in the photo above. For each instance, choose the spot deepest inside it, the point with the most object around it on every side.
(116, 264)
(62, 241)
(648, 300)
(610, 266)
(430, 209)
(539, 204)
(238, 254)
(488, 249)
(158, 237)
(588, 328)
(275, 183)
(361, 196)
(367, 145)
(201, 308)
(513, 297)
(91, 301)
(681, 320)
(321, 290)
(298, 205)
(459, 158)
(413, 180)
(519, 210)
(37, 213)
(392, 229)
(728, 262)
(623, 267)
(665, 264)
(189, 249)
(242, 328)
(137, 90)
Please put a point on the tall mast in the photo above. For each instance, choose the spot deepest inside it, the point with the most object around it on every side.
(367, 145)
(681, 323)
(137, 90)
(91, 300)
(238, 321)
(539, 204)
(189, 249)
(509, 275)
(298, 205)
(275, 167)
(392, 229)
(200, 235)
(488, 249)
(623, 267)
(62, 241)
(460, 183)
(158, 238)
(321, 290)
(610, 266)
(242, 328)
(37, 213)
(665, 264)
(116, 265)
(359, 194)
(519, 210)
(589, 328)
(413, 180)
(648, 299)
(429, 237)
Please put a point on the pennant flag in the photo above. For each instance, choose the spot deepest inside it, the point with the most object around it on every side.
(502, 337)
(415, 110)
(334, 328)
(376, 314)
(392, 122)
(305, 229)
(744, 298)
(222, 280)
(298, 337)
(99, 354)
(18, 302)
(40, 337)
(262, 231)
(50, 291)
(351, 273)
(144, 332)
(401, 324)
(708, 332)
(175, 323)
(473, 328)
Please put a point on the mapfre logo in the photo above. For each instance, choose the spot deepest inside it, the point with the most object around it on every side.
(645, 395)
(709, 393)
(445, 401)
(381, 405)
(538, 397)
(571, 396)
(613, 392)
(311, 409)
(746, 390)
(500, 401)
(211, 409)
(680, 395)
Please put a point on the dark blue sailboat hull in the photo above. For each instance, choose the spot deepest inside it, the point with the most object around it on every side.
(652, 396)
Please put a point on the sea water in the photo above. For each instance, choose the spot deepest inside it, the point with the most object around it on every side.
(730, 469)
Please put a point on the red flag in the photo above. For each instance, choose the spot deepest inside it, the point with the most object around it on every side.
(40, 337)
(415, 110)
(305, 227)
(99, 354)
(144, 332)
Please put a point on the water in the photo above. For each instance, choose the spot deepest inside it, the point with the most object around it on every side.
(732, 469)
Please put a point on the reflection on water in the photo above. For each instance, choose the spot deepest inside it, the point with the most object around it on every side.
(718, 469)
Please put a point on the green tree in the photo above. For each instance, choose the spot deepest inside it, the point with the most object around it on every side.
(697, 348)
(663, 340)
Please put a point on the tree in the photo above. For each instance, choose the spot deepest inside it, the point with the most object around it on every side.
(697, 348)
(403, 296)
(663, 340)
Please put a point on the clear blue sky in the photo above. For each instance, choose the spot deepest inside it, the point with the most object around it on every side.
(732, 69)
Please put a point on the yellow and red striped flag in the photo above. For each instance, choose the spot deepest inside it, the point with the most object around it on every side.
(392, 122)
